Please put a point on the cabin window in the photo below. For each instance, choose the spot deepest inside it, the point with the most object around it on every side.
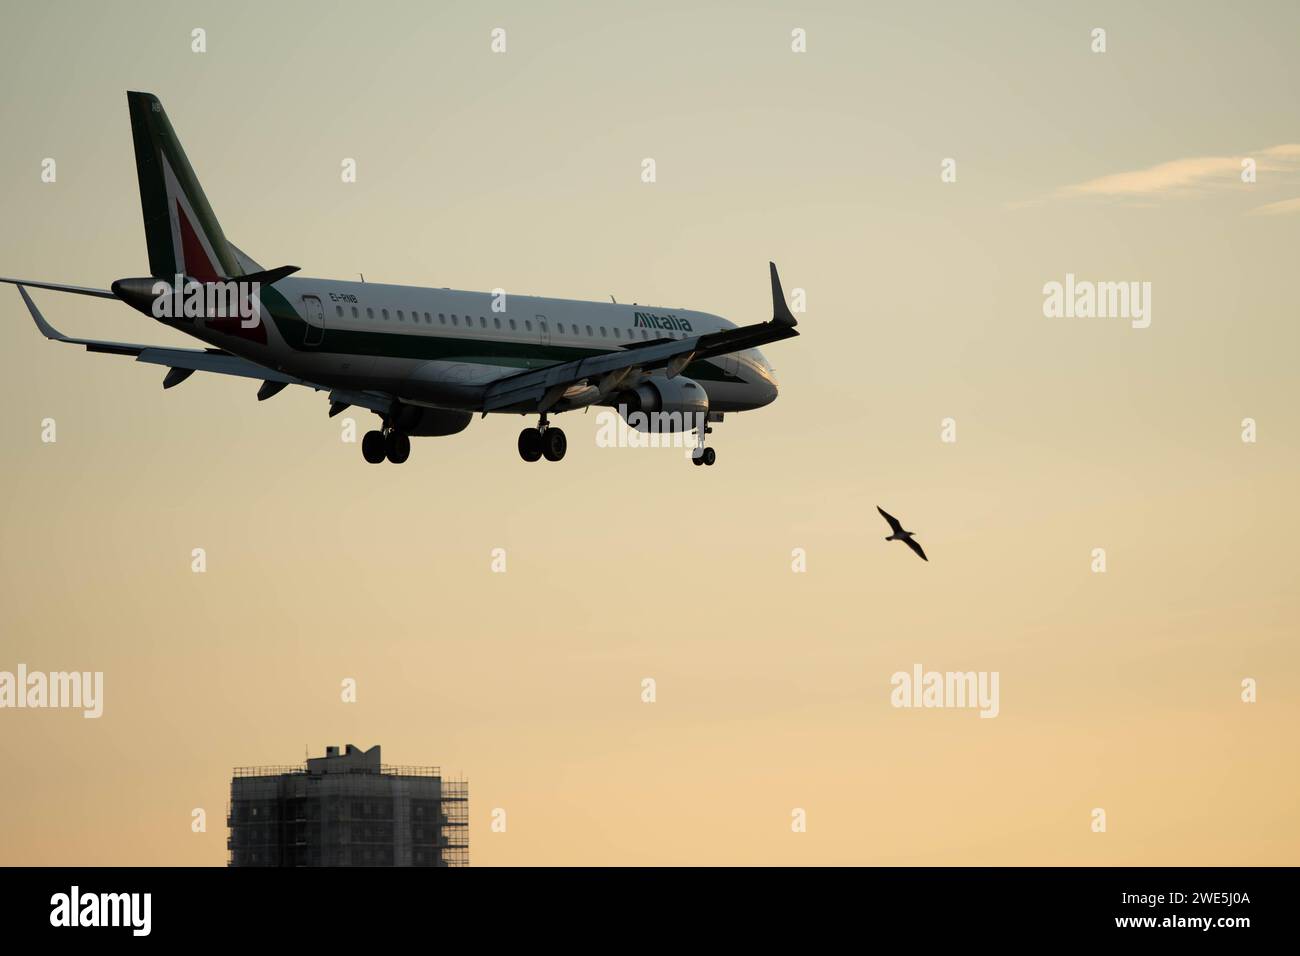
(617, 333)
(442, 319)
(401, 317)
(559, 327)
(455, 321)
(512, 325)
(482, 322)
(355, 313)
(338, 310)
(528, 324)
(385, 311)
(589, 331)
(370, 313)
(496, 321)
(602, 332)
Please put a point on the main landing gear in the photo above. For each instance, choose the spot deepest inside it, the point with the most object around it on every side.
(544, 440)
(389, 443)
(702, 455)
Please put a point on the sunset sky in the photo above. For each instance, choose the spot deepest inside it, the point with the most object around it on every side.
(475, 170)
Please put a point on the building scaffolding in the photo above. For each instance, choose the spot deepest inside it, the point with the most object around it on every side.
(347, 810)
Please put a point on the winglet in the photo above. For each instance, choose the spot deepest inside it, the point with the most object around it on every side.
(47, 330)
(780, 311)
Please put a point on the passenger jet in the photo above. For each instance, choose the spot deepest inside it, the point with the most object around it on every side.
(424, 360)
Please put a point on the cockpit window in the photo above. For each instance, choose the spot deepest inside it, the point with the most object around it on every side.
(755, 356)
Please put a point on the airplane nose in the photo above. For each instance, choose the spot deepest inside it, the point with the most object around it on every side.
(767, 392)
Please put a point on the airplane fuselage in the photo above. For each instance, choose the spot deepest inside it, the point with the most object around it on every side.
(442, 347)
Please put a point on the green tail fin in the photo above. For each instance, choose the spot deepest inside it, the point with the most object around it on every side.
(180, 229)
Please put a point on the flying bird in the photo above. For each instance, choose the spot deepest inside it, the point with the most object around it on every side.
(901, 535)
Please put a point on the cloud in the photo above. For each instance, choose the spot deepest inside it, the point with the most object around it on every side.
(1175, 175)
(1291, 150)
(1282, 208)
(1181, 178)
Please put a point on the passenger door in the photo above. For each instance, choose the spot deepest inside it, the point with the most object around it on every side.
(314, 313)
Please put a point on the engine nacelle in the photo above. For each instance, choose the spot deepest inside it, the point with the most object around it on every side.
(416, 420)
(661, 405)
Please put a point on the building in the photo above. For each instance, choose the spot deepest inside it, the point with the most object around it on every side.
(347, 809)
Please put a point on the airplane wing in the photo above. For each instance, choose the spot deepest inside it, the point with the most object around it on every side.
(537, 385)
(200, 360)
(545, 385)
(203, 360)
(78, 289)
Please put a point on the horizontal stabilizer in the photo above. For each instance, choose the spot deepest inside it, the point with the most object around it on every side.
(269, 276)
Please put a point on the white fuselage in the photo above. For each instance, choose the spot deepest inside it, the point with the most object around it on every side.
(442, 347)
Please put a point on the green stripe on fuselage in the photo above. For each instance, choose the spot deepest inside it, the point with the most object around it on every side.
(523, 355)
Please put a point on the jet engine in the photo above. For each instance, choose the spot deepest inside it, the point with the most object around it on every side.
(657, 404)
(416, 420)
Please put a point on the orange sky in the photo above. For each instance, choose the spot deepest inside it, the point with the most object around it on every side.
(1118, 691)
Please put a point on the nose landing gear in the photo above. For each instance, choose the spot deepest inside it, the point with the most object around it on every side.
(544, 440)
(702, 455)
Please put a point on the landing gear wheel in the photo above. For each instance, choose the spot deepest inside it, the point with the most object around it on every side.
(697, 457)
(709, 456)
(397, 446)
(372, 447)
(530, 444)
(554, 444)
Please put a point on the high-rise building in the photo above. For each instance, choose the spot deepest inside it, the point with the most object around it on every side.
(347, 809)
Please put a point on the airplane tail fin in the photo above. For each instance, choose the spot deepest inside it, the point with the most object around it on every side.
(180, 229)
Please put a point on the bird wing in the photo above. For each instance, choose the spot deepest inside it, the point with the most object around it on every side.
(893, 522)
(911, 543)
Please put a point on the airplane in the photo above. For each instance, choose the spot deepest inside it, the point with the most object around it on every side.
(424, 360)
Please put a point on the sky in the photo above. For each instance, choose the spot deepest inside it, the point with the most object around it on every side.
(921, 172)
